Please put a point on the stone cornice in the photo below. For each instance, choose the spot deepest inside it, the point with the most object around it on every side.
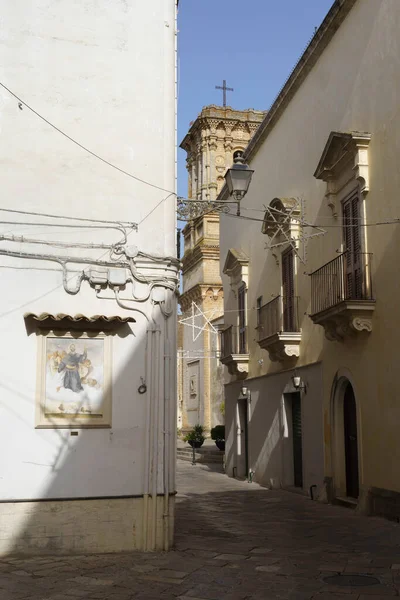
(344, 150)
(212, 115)
(314, 50)
(198, 293)
(198, 254)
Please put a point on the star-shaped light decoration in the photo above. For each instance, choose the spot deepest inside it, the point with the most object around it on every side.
(284, 223)
(199, 321)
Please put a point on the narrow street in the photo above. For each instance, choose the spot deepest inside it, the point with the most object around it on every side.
(234, 541)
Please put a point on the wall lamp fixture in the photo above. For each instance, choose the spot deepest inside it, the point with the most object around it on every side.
(298, 383)
(245, 392)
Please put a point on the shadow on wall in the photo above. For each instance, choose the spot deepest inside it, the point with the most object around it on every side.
(270, 432)
(97, 489)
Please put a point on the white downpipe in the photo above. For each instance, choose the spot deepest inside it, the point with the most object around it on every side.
(167, 432)
(156, 434)
(147, 461)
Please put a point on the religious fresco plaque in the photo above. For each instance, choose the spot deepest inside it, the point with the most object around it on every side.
(74, 382)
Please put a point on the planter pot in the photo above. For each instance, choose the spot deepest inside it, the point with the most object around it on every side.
(195, 444)
(220, 445)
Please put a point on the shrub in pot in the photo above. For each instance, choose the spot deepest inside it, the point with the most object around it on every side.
(195, 437)
(218, 435)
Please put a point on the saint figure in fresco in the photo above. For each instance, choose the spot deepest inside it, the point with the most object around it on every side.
(70, 366)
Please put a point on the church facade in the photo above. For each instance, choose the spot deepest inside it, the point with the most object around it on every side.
(211, 143)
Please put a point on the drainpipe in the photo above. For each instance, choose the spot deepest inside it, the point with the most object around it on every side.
(156, 435)
(150, 432)
(166, 432)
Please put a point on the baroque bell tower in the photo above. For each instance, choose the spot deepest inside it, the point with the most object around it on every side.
(211, 143)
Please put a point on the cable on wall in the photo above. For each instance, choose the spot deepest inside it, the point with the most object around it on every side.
(71, 139)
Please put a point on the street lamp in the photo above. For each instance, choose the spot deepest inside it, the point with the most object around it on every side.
(238, 179)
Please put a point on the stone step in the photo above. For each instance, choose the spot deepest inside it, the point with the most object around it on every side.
(203, 450)
(200, 458)
(204, 457)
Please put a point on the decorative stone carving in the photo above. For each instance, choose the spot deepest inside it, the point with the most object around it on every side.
(281, 212)
(216, 131)
(282, 346)
(346, 319)
(237, 268)
(238, 365)
(344, 151)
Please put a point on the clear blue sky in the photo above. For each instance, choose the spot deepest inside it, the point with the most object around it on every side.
(253, 44)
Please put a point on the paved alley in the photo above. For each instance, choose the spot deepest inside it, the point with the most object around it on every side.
(234, 541)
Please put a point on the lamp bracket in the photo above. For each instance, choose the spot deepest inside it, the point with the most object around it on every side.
(188, 210)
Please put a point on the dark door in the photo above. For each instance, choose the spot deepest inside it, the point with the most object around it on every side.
(350, 442)
(288, 298)
(246, 436)
(297, 440)
(244, 433)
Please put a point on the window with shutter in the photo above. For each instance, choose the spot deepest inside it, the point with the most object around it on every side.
(352, 243)
(242, 320)
(288, 297)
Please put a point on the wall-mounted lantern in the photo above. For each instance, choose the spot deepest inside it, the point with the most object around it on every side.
(238, 179)
(298, 384)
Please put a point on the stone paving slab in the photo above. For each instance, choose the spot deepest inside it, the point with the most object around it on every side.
(234, 541)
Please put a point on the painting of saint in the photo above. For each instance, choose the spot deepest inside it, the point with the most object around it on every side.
(74, 378)
(70, 366)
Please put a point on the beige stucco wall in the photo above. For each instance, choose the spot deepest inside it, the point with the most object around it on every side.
(82, 526)
(353, 87)
(269, 430)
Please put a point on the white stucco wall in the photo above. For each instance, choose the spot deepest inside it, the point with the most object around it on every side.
(103, 72)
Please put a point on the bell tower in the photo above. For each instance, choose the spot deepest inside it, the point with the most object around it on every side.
(211, 143)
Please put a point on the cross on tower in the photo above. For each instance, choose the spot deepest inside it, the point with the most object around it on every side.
(224, 89)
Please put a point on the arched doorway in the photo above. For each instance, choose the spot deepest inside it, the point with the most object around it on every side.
(350, 442)
(345, 429)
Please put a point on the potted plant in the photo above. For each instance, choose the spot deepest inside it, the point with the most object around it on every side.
(195, 437)
(218, 435)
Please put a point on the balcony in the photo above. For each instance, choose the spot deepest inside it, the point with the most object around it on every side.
(278, 329)
(341, 296)
(234, 351)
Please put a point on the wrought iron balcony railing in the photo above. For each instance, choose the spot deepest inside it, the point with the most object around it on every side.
(233, 341)
(345, 278)
(279, 328)
(278, 315)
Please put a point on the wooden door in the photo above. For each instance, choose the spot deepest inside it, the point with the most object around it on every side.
(288, 297)
(352, 244)
(297, 440)
(243, 438)
(350, 442)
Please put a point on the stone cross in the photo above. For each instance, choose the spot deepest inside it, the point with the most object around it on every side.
(224, 89)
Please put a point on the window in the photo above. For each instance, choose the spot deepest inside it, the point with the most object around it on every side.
(288, 297)
(258, 306)
(242, 319)
(352, 247)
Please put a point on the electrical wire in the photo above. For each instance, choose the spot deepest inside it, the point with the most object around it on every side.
(156, 206)
(389, 222)
(39, 214)
(21, 239)
(71, 139)
(264, 210)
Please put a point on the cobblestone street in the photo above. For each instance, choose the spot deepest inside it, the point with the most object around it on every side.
(234, 541)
